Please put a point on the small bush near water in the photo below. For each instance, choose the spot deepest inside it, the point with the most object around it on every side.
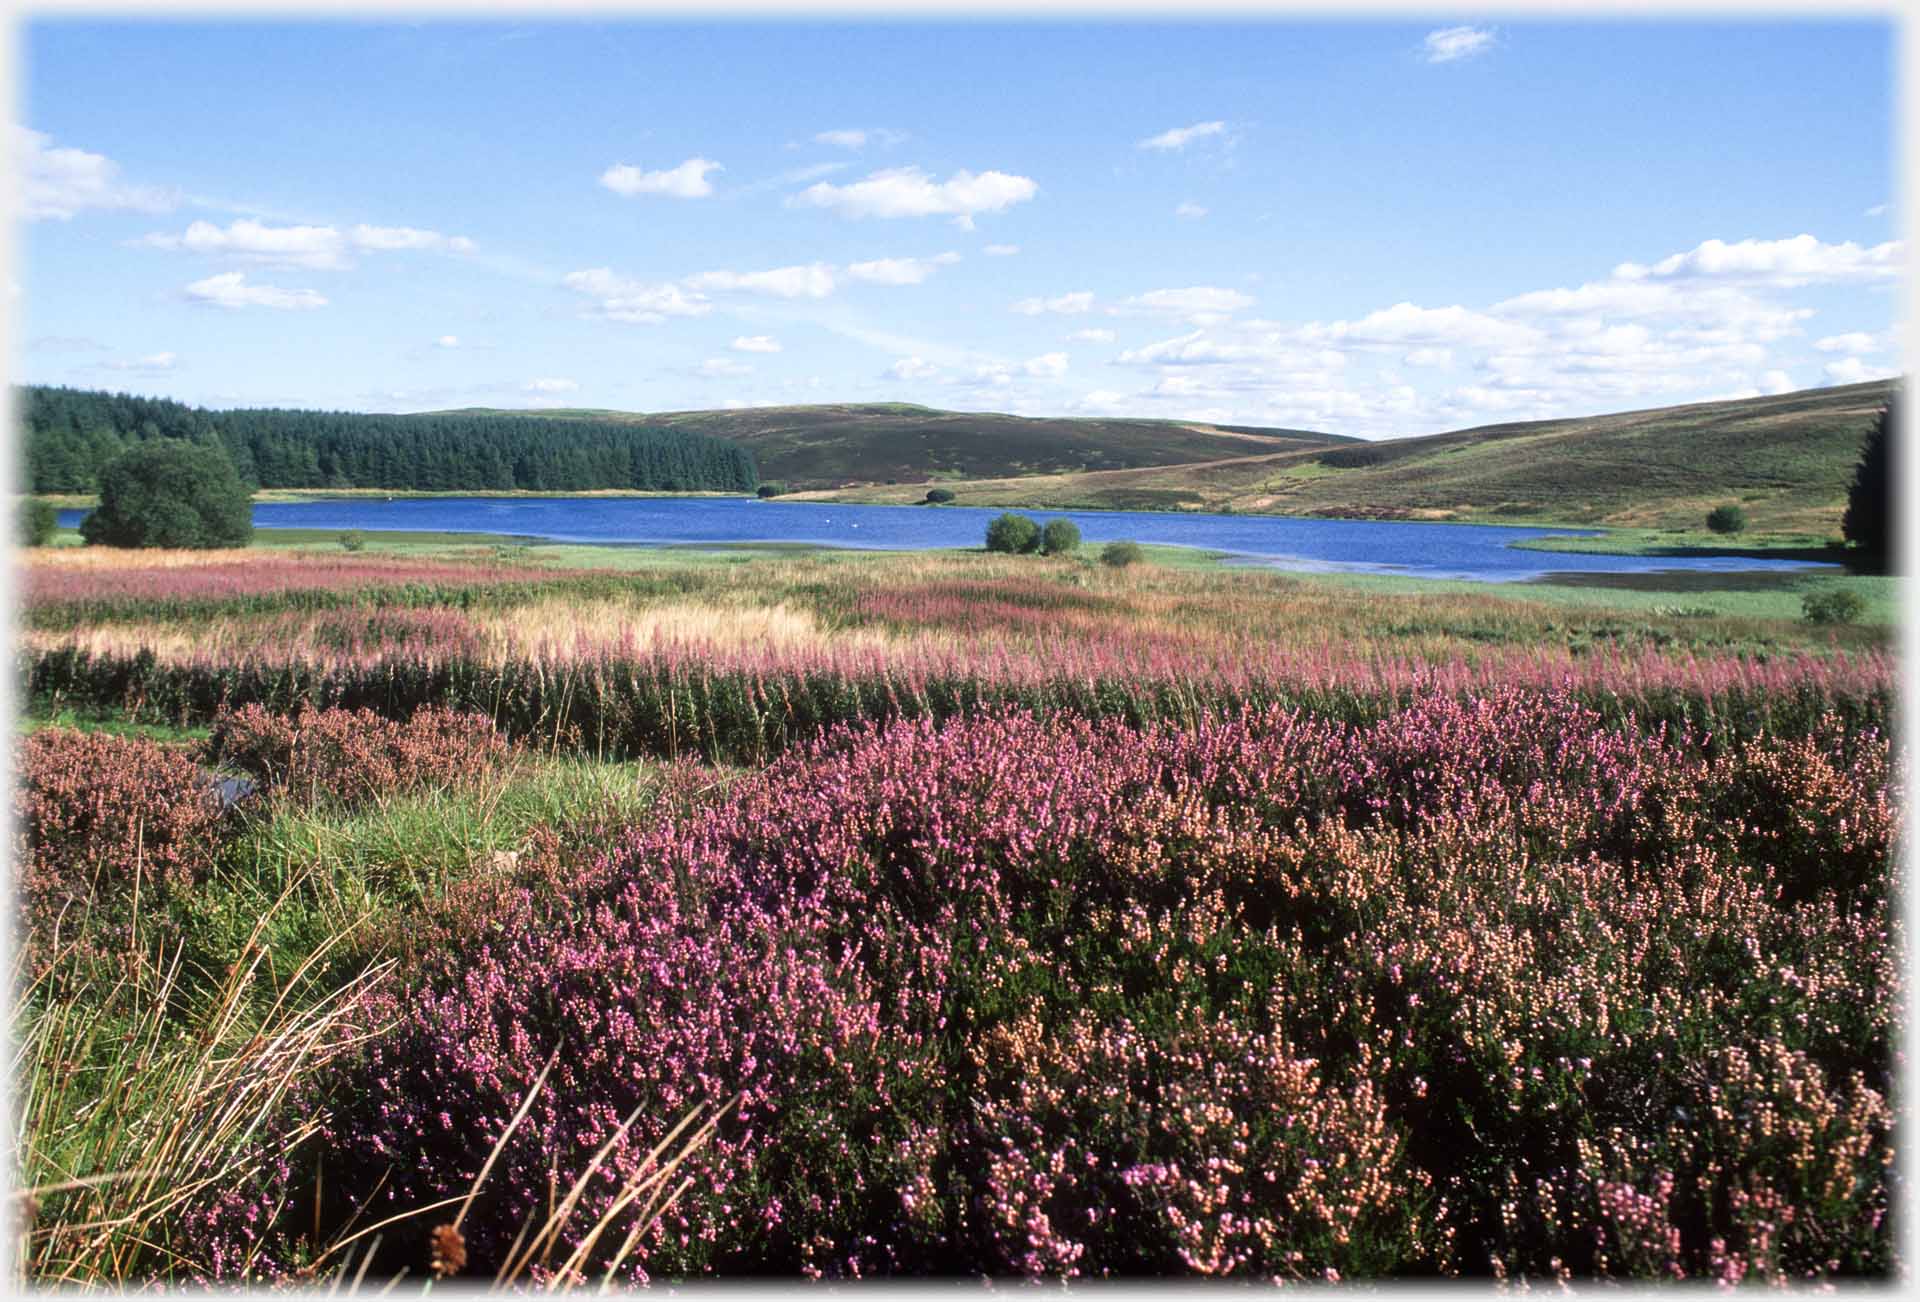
(1012, 533)
(1122, 554)
(1059, 538)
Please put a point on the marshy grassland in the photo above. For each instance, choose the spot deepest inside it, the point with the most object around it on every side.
(610, 914)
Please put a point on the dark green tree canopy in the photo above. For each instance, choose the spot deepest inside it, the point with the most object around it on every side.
(1869, 523)
(72, 433)
(169, 493)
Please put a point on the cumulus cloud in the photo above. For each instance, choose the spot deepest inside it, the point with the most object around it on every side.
(1786, 264)
(1425, 357)
(321, 248)
(635, 302)
(860, 137)
(231, 289)
(1851, 370)
(1878, 210)
(1180, 137)
(313, 247)
(900, 271)
(723, 366)
(811, 280)
(912, 368)
(1065, 304)
(1195, 301)
(1777, 382)
(1001, 250)
(1046, 366)
(551, 385)
(687, 181)
(911, 192)
(756, 344)
(1853, 342)
(447, 341)
(1447, 44)
(1093, 336)
(1189, 210)
(389, 239)
(58, 183)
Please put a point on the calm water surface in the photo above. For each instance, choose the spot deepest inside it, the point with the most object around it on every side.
(1428, 551)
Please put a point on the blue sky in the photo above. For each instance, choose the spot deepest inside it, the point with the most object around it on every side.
(1379, 228)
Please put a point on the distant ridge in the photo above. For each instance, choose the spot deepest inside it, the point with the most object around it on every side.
(841, 445)
(1787, 459)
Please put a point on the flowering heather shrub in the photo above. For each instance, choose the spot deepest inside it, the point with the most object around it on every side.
(349, 756)
(92, 813)
(1487, 985)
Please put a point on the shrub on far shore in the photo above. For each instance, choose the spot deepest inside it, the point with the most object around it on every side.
(1726, 519)
(1122, 554)
(938, 496)
(772, 488)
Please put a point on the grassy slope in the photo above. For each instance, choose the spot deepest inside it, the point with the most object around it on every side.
(1787, 459)
(837, 445)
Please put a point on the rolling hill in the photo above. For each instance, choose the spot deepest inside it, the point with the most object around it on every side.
(846, 445)
(1788, 459)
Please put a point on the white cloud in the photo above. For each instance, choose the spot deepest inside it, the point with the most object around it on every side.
(551, 385)
(1046, 366)
(687, 181)
(910, 192)
(723, 366)
(447, 341)
(1065, 304)
(812, 280)
(321, 248)
(59, 183)
(314, 247)
(633, 301)
(1446, 44)
(1406, 324)
(1093, 336)
(1424, 357)
(1181, 137)
(756, 344)
(1001, 250)
(1786, 264)
(1878, 210)
(912, 368)
(152, 362)
(1853, 342)
(390, 239)
(1777, 382)
(1190, 210)
(900, 271)
(1194, 301)
(860, 137)
(230, 289)
(1851, 370)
